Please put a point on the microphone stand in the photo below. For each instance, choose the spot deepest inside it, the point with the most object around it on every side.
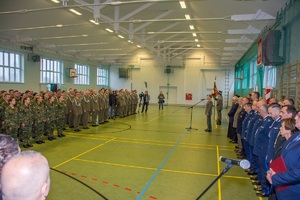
(226, 169)
(190, 128)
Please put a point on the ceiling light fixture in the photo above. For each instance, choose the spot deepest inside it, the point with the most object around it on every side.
(182, 4)
(55, 1)
(138, 46)
(75, 11)
(59, 25)
(196, 40)
(94, 22)
(194, 34)
(187, 16)
(192, 27)
(198, 45)
(120, 36)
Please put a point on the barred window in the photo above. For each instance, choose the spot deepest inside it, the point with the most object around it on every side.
(51, 71)
(11, 67)
(269, 77)
(83, 75)
(253, 75)
(102, 76)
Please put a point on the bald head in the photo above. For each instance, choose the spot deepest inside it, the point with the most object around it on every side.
(26, 177)
(8, 148)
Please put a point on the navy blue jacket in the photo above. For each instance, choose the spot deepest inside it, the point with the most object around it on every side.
(248, 117)
(250, 125)
(275, 128)
(232, 112)
(257, 123)
(240, 120)
(291, 177)
(261, 138)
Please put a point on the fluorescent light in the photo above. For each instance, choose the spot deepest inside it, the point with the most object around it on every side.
(94, 22)
(129, 41)
(196, 40)
(182, 4)
(194, 34)
(120, 36)
(138, 46)
(55, 1)
(192, 27)
(187, 17)
(59, 25)
(75, 11)
(198, 45)
(109, 30)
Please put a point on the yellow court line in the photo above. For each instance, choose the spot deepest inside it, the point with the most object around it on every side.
(158, 141)
(83, 153)
(154, 118)
(154, 169)
(219, 171)
(166, 143)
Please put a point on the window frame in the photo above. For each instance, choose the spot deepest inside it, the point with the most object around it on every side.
(102, 76)
(51, 72)
(11, 67)
(82, 73)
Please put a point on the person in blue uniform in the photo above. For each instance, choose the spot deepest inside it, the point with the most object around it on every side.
(249, 116)
(260, 149)
(291, 156)
(274, 112)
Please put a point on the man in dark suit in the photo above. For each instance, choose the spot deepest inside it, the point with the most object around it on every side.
(208, 112)
(231, 113)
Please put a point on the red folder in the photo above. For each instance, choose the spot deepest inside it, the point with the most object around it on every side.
(278, 165)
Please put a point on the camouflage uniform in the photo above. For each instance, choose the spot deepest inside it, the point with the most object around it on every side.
(3, 106)
(26, 120)
(52, 117)
(60, 117)
(11, 121)
(39, 121)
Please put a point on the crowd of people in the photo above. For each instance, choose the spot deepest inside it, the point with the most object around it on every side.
(36, 114)
(267, 134)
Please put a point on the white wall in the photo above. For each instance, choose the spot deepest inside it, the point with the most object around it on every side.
(194, 77)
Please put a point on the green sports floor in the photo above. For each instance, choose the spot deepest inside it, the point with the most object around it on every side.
(146, 156)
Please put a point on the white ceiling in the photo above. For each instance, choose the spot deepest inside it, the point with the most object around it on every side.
(225, 29)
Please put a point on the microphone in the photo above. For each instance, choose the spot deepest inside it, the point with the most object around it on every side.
(244, 164)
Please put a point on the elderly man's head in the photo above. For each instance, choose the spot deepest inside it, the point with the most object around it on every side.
(26, 177)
